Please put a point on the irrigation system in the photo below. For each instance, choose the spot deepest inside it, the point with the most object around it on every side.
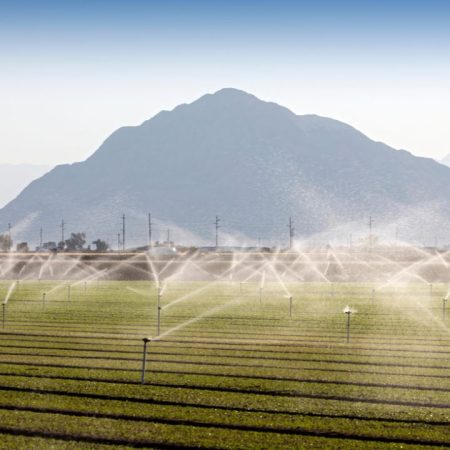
(146, 340)
(348, 312)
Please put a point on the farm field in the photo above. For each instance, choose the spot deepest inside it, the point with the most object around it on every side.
(235, 365)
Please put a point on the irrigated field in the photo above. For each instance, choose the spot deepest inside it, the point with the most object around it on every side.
(233, 367)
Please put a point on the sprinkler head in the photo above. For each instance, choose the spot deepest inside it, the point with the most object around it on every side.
(146, 339)
(347, 310)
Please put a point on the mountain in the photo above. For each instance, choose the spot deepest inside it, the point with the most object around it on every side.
(16, 177)
(252, 162)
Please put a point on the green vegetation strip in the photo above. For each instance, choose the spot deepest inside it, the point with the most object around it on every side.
(228, 375)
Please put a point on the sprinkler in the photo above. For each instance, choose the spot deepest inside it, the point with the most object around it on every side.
(4, 313)
(444, 301)
(68, 293)
(373, 296)
(85, 286)
(348, 311)
(144, 359)
(43, 300)
(260, 295)
(290, 306)
(431, 291)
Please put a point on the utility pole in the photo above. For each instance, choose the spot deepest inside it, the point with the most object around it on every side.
(123, 232)
(40, 237)
(118, 242)
(149, 230)
(216, 223)
(291, 232)
(62, 230)
(9, 232)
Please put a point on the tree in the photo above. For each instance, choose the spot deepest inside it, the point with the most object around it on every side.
(22, 247)
(5, 242)
(100, 245)
(76, 242)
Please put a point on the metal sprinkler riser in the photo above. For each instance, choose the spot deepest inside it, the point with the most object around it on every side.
(144, 359)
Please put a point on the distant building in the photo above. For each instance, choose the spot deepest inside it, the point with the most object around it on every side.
(233, 249)
(47, 247)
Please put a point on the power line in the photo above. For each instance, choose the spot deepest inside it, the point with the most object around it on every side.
(62, 230)
(123, 232)
(149, 230)
(216, 223)
(291, 232)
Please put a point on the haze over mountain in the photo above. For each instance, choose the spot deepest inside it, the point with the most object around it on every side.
(446, 160)
(16, 177)
(252, 162)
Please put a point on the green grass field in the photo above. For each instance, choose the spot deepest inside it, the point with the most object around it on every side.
(232, 368)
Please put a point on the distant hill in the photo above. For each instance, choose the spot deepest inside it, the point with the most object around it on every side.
(16, 177)
(252, 162)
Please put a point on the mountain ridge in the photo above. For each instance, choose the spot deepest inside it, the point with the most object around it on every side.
(253, 162)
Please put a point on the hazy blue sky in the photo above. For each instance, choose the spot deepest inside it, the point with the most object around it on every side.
(73, 72)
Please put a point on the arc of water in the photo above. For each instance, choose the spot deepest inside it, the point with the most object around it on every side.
(207, 313)
(197, 291)
(10, 291)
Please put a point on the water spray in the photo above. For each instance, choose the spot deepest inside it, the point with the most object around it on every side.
(158, 307)
(144, 359)
(261, 287)
(348, 311)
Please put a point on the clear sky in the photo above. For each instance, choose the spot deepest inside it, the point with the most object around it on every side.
(71, 72)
